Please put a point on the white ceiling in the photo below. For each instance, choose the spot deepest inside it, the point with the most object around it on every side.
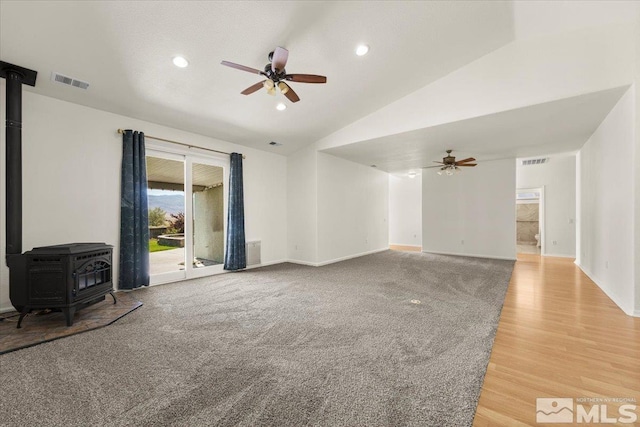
(543, 129)
(124, 50)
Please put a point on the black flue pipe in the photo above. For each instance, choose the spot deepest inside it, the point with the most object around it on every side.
(15, 76)
(14, 162)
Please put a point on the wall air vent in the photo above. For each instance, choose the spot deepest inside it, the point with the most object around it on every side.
(61, 78)
(540, 161)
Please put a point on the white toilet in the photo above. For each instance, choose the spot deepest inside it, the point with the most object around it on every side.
(537, 236)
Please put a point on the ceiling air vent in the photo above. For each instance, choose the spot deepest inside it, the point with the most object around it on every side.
(275, 144)
(61, 78)
(540, 161)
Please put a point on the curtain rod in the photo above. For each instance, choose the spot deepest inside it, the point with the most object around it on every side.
(121, 131)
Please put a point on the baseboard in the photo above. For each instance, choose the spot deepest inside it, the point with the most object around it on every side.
(7, 309)
(471, 255)
(298, 261)
(409, 248)
(613, 297)
(344, 258)
(560, 256)
(332, 261)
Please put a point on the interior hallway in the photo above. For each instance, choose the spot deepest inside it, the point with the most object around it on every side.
(559, 336)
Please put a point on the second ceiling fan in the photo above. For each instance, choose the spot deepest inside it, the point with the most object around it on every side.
(276, 75)
(449, 165)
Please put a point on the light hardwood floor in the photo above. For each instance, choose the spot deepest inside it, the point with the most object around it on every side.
(559, 336)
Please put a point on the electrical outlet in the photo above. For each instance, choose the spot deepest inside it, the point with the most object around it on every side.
(462, 242)
(570, 220)
(606, 264)
(555, 242)
(296, 247)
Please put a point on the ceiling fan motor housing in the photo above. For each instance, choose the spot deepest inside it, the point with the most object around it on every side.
(276, 77)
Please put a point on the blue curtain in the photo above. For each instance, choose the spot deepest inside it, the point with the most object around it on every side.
(134, 215)
(235, 258)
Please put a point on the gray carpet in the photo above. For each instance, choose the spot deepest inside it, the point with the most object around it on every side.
(286, 345)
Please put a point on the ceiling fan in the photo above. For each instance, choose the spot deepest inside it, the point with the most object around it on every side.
(276, 75)
(449, 166)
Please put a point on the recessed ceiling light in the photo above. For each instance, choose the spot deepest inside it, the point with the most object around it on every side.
(179, 61)
(281, 107)
(362, 50)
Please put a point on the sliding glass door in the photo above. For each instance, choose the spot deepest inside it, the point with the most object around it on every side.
(187, 215)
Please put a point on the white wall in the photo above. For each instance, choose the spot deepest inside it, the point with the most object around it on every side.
(558, 177)
(405, 210)
(353, 209)
(302, 202)
(71, 170)
(606, 204)
(471, 213)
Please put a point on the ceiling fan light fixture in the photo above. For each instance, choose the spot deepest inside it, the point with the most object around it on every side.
(268, 84)
(180, 62)
(362, 50)
(272, 91)
(283, 87)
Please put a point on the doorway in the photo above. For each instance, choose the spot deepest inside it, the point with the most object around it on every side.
(187, 205)
(530, 221)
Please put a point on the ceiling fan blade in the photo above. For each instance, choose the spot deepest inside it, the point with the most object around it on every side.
(430, 167)
(305, 78)
(279, 60)
(442, 163)
(290, 94)
(241, 67)
(467, 160)
(253, 88)
(468, 164)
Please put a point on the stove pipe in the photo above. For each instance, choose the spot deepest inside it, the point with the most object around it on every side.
(14, 163)
(15, 76)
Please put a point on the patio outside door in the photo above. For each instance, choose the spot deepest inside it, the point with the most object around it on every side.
(187, 220)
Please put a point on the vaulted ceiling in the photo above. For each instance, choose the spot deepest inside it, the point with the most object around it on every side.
(124, 50)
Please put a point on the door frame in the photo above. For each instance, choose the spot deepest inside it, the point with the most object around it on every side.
(541, 210)
(189, 157)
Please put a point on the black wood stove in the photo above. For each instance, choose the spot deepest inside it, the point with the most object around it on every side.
(64, 277)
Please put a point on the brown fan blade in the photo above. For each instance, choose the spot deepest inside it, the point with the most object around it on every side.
(290, 94)
(279, 60)
(468, 164)
(305, 78)
(253, 88)
(467, 160)
(241, 67)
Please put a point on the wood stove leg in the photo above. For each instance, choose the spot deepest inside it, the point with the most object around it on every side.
(113, 296)
(23, 313)
(69, 312)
